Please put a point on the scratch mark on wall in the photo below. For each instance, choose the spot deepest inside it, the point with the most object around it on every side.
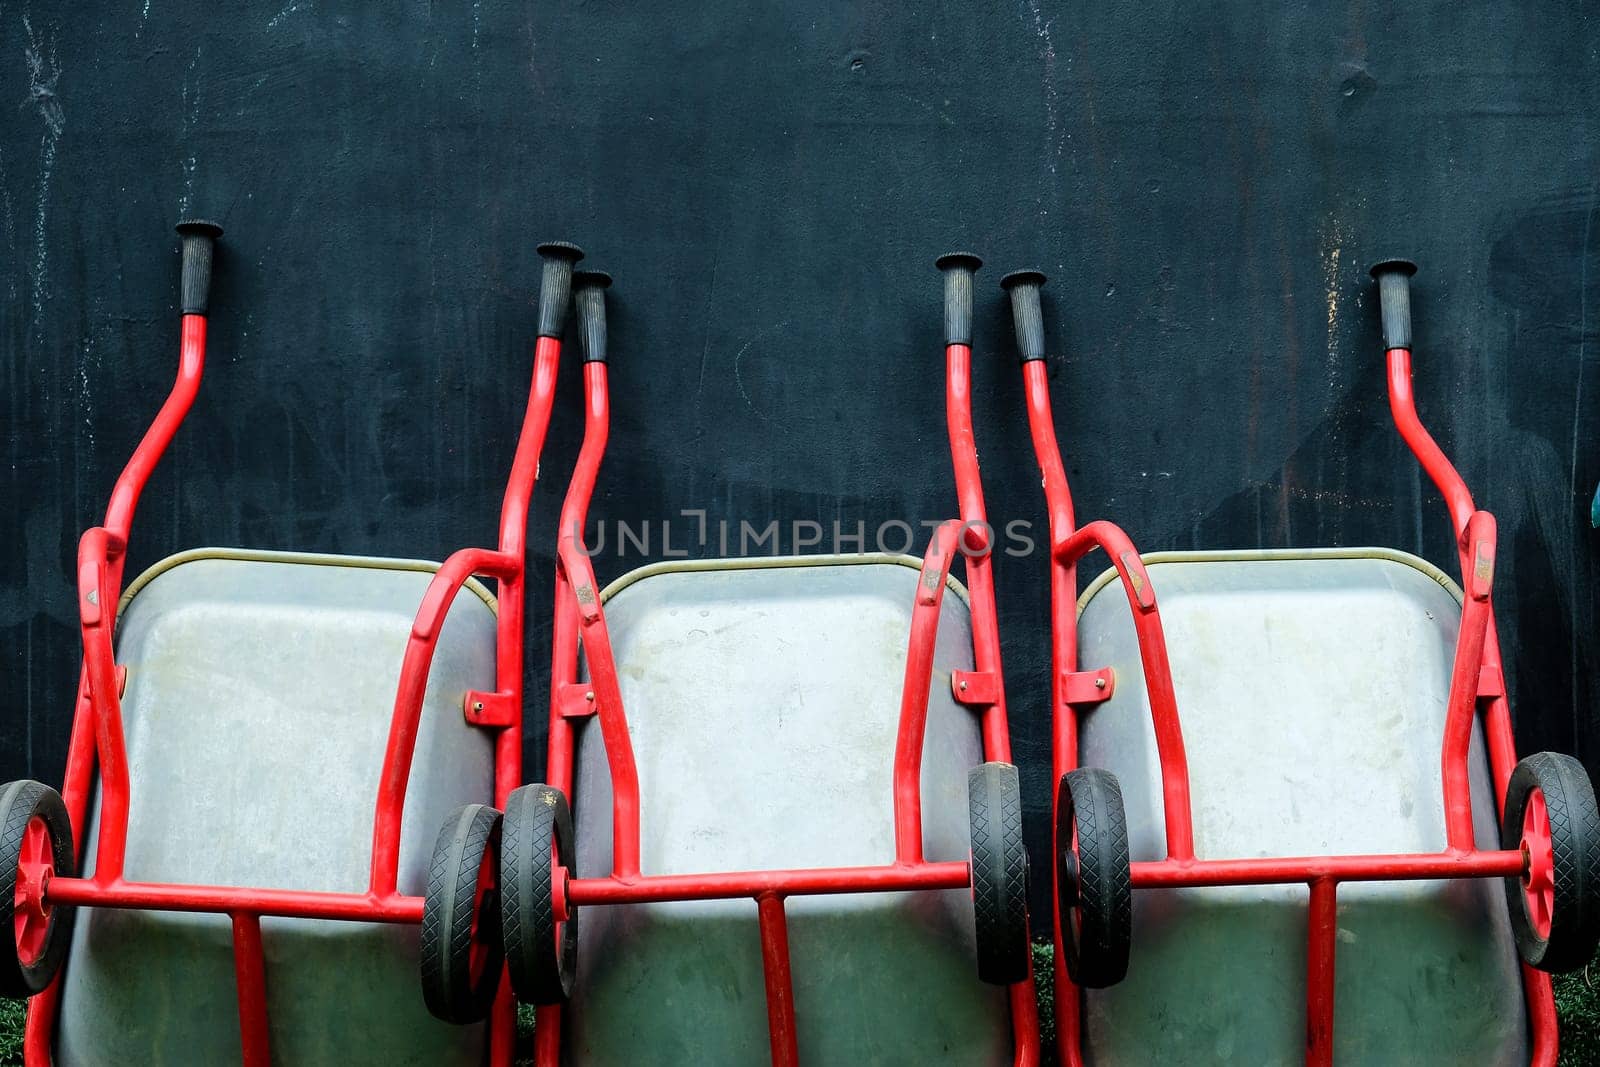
(1583, 338)
(1055, 141)
(738, 378)
(477, 65)
(44, 76)
(1572, 458)
(1052, 96)
(85, 394)
(705, 346)
(27, 688)
(8, 211)
(190, 90)
(272, 23)
(1330, 278)
(1332, 241)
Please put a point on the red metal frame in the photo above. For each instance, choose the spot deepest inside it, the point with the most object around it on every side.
(97, 735)
(1475, 684)
(580, 617)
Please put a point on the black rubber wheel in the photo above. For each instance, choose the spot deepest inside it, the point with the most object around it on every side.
(541, 950)
(1551, 813)
(461, 951)
(1094, 889)
(35, 845)
(999, 873)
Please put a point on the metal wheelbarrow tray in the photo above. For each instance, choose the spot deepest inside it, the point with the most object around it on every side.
(259, 883)
(763, 697)
(259, 688)
(1346, 731)
(810, 787)
(1313, 687)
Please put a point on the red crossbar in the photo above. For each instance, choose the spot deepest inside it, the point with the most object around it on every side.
(729, 885)
(221, 899)
(1275, 870)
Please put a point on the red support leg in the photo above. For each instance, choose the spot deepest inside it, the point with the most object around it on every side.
(1540, 993)
(1320, 941)
(503, 1025)
(547, 1036)
(1024, 1022)
(249, 972)
(779, 981)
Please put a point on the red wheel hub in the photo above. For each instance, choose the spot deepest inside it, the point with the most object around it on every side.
(30, 914)
(558, 893)
(478, 950)
(1538, 882)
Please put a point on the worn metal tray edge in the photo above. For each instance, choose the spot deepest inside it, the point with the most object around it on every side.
(1260, 555)
(315, 559)
(749, 563)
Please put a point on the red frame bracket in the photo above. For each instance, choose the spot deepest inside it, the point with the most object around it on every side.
(491, 710)
(1491, 682)
(976, 689)
(575, 700)
(1086, 688)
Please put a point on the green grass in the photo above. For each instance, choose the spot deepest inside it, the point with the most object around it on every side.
(524, 1052)
(11, 1013)
(1578, 1006)
(1577, 1002)
(1044, 985)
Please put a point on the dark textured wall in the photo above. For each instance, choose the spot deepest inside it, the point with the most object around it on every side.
(769, 183)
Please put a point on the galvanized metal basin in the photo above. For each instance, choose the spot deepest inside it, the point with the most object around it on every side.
(257, 708)
(763, 696)
(1312, 689)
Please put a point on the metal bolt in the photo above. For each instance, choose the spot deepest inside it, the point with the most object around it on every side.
(477, 705)
(1099, 683)
(963, 687)
(589, 695)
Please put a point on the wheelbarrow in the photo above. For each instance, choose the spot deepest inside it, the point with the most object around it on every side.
(260, 799)
(796, 824)
(1316, 687)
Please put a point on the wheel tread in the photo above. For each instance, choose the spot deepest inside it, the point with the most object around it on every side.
(451, 897)
(999, 873)
(541, 966)
(1091, 799)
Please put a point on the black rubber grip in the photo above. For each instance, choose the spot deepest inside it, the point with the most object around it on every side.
(199, 238)
(1024, 286)
(555, 287)
(958, 268)
(589, 294)
(1394, 296)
